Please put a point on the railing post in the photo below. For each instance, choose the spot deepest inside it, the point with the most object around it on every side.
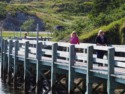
(2, 50)
(67, 50)
(26, 66)
(5, 61)
(53, 67)
(38, 67)
(15, 64)
(72, 55)
(1, 38)
(89, 67)
(9, 61)
(111, 64)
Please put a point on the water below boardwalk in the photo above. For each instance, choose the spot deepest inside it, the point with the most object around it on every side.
(5, 89)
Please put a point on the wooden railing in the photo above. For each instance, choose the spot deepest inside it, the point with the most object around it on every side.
(79, 58)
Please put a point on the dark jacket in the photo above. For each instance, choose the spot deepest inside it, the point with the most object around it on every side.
(100, 41)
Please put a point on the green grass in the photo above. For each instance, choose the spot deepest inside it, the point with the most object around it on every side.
(11, 34)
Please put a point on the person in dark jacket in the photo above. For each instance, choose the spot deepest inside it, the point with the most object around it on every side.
(100, 41)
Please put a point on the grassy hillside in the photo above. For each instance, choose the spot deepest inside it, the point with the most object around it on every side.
(73, 15)
(70, 14)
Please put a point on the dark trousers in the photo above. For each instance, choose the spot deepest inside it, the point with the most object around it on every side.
(100, 54)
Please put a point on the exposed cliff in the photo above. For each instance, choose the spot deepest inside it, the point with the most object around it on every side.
(15, 22)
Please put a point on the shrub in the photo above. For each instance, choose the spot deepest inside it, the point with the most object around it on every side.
(2, 10)
(28, 25)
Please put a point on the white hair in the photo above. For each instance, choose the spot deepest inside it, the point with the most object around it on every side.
(99, 32)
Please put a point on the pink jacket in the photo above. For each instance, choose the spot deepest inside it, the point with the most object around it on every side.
(74, 40)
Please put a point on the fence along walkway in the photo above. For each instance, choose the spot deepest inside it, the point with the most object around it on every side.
(63, 58)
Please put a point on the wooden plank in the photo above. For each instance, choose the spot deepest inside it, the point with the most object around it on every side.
(62, 44)
(82, 45)
(102, 61)
(119, 58)
(80, 70)
(63, 54)
(120, 64)
(119, 49)
(35, 42)
(103, 48)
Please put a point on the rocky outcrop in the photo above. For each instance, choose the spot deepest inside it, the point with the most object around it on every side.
(13, 22)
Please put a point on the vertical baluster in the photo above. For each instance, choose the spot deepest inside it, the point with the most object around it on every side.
(67, 50)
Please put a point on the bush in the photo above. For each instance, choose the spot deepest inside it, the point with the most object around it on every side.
(28, 25)
(2, 10)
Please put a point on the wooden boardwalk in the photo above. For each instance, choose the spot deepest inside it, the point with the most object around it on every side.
(72, 61)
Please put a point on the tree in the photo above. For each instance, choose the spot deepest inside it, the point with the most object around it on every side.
(28, 25)
(2, 10)
(100, 6)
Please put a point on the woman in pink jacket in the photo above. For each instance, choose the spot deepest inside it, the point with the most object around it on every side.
(74, 38)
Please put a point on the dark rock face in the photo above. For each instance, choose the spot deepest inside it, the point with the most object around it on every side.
(58, 27)
(14, 22)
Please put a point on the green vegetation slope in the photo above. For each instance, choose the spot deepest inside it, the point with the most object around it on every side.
(84, 16)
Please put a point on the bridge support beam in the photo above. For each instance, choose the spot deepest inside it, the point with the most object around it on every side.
(89, 74)
(53, 66)
(4, 62)
(38, 67)
(9, 62)
(15, 64)
(26, 67)
(2, 54)
(111, 80)
(70, 72)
